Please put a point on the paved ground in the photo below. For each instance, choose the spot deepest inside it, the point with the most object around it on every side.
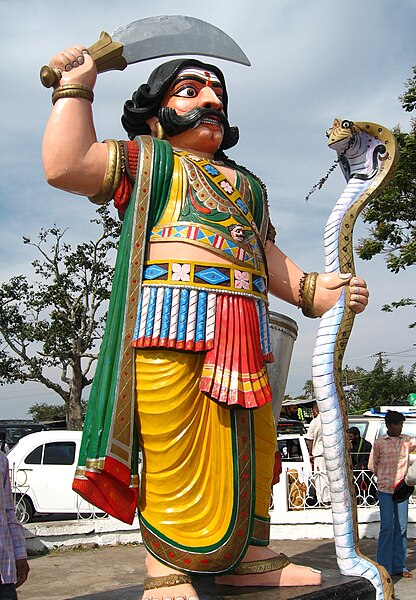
(116, 573)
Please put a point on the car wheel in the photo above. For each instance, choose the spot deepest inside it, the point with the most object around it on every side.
(24, 510)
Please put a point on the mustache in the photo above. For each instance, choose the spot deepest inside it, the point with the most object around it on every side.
(174, 124)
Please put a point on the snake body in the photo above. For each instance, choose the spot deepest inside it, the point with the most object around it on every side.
(367, 154)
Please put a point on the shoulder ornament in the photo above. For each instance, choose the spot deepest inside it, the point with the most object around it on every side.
(113, 174)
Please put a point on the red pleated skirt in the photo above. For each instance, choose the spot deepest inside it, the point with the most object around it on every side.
(234, 370)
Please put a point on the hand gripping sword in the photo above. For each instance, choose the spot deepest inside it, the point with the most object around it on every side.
(155, 37)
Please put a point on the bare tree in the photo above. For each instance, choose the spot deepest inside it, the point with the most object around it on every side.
(55, 325)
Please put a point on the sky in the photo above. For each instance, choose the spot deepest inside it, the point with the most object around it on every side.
(312, 60)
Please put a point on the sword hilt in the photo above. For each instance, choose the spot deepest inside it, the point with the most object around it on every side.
(106, 53)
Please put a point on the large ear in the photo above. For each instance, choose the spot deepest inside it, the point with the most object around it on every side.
(156, 128)
(152, 122)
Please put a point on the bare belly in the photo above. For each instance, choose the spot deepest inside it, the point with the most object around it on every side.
(183, 251)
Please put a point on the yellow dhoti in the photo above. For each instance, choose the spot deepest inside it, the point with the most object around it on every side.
(207, 469)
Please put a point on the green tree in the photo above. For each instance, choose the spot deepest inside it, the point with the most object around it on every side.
(384, 385)
(47, 412)
(308, 392)
(50, 329)
(392, 215)
(381, 386)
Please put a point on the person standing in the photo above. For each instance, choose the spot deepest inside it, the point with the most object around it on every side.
(316, 452)
(4, 447)
(360, 449)
(389, 461)
(14, 568)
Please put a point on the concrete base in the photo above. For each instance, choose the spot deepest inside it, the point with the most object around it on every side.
(315, 524)
(117, 574)
(358, 589)
(73, 533)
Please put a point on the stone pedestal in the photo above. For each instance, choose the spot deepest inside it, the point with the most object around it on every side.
(346, 589)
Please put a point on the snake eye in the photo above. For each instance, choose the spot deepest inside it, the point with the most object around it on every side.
(346, 124)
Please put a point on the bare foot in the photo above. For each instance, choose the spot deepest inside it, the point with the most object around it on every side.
(182, 591)
(178, 592)
(407, 574)
(290, 575)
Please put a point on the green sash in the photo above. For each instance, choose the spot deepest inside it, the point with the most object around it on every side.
(108, 462)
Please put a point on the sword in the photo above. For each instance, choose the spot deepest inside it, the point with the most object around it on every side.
(154, 37)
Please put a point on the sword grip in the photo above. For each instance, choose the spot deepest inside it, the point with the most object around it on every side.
(106, 53)
(49, 76)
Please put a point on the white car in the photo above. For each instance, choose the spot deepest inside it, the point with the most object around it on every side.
(42, 467)
(372, 426)
(295, 461)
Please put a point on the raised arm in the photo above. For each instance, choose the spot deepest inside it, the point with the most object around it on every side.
(73, 160)
(286, 280)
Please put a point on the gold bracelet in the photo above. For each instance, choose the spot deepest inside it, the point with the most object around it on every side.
(113, 173)
(307, 294)
(73, 90)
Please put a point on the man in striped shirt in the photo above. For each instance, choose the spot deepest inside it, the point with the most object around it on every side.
(14, 567)
(389, 461)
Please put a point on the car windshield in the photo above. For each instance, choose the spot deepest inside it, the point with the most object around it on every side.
(409, 428)
(290, 449)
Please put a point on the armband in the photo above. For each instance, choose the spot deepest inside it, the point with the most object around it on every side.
(307, 287)
(73, 90)
(113, 173)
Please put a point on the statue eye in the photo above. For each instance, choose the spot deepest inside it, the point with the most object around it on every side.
(186, 92)
(346, 124)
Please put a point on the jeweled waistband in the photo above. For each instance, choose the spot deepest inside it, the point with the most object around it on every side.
(209, 237)
(208, 276)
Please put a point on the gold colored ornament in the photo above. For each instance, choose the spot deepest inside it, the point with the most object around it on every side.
(113, 173)
(307, 294)
(154, 583)
(73, 90)
(160, 132)
(256, 567)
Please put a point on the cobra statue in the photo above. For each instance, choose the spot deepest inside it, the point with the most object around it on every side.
(368, 155)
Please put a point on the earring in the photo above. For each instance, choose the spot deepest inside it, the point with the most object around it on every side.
(160, 132)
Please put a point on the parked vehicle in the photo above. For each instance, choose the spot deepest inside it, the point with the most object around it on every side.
(17, 428)
(296, 470)
(42, 467)
(372, 426)
(285, 426)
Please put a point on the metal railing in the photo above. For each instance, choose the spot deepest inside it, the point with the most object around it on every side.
(21, 492)
(311, 490)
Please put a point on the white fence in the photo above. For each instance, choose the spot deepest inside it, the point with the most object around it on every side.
(311, 490)
(21, 494)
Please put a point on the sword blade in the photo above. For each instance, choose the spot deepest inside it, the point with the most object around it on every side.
(171, 35)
